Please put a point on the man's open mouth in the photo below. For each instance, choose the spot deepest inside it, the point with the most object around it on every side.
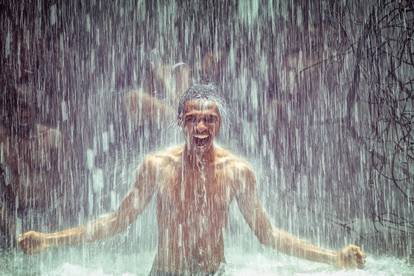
(201, 139)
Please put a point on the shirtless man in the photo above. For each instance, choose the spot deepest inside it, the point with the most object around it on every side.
(194, 185)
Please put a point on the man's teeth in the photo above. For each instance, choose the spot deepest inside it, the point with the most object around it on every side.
(201, 136)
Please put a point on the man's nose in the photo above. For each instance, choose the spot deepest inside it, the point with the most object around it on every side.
(201, 126)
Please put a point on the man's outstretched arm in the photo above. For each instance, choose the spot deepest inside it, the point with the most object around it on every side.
(133, 204)
(249, 204)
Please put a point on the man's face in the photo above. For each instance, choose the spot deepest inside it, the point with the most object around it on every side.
(201, 123)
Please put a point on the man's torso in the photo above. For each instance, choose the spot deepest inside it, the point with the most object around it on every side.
(192, 209)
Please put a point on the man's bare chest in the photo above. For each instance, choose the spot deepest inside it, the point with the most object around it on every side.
(188, 197)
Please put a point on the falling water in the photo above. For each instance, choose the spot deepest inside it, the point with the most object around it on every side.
(319, 100)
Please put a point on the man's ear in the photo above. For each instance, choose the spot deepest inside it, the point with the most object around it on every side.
(219, 126)
(180, 121)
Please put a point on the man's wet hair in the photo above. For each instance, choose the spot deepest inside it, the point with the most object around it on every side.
(208, 92)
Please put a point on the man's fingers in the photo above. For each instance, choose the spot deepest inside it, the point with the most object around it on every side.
(30, 242)
(353, 257)
(361, 259)
(359, 256)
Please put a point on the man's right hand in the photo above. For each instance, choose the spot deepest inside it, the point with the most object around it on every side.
(33, 242)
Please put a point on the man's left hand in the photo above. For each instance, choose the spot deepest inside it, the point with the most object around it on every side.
(351, 256)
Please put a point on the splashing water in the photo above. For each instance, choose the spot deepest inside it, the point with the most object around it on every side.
(240, 262)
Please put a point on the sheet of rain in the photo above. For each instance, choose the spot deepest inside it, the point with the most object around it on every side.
(319, 99)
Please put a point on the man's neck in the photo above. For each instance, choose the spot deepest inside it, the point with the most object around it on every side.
(194, 159)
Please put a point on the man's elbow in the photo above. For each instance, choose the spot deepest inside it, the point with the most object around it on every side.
(123, 221)
(266, 237)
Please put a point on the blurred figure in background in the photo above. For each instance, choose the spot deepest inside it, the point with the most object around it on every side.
(161, 91)
(142, 105)
(33, 158)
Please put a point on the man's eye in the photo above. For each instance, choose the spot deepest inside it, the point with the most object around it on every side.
(190, 119)
(210, 119)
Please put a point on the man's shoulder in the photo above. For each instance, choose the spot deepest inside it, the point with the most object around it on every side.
(232, 161)
(162, 157)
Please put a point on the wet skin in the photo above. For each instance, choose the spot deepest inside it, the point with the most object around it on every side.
(194, 185)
